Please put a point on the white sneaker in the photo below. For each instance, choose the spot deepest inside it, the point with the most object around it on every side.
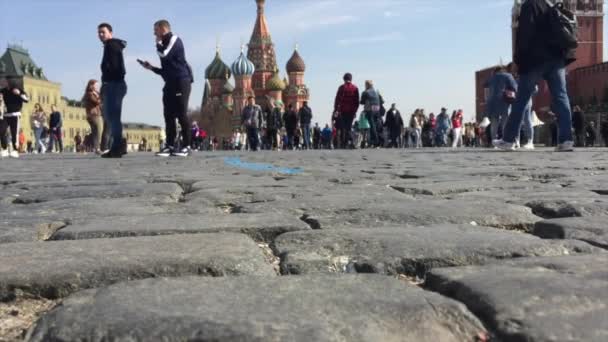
(567, 146)
(503, 145)
(3, 153)
(14, 154)
(529, 147)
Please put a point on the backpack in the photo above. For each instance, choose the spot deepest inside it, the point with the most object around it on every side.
(562, 27)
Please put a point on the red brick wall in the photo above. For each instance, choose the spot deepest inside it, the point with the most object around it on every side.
(480, 99)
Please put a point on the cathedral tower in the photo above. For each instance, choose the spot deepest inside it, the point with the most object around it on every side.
(243, 70)
(261, 52)
(296, 92)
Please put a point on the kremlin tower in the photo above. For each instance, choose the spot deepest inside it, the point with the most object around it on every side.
(255, 74)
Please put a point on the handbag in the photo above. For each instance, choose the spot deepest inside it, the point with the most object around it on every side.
(509, 95)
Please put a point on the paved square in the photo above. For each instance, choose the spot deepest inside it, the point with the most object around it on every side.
(375, 245)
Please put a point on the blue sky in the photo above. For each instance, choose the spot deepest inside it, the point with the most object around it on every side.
(420, 53)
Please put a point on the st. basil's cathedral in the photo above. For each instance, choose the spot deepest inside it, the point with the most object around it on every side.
(255, 74)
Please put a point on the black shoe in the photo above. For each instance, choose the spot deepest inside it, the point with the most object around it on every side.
(184, 152)
(112, 155)
(167, 151)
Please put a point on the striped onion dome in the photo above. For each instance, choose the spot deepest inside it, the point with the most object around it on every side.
(275, 83)
(243, 66)
(217, 70)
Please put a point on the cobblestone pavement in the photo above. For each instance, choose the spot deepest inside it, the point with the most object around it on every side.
(428, 245)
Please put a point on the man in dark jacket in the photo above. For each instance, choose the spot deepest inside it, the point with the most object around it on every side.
(305, 115)
(537, 59)
(13, 97)
(290, 118)
(114, 88)
(346, 106)
(394, 124)
(56, 133)
(177, 74)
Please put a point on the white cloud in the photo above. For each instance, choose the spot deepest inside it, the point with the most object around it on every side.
(386, 37)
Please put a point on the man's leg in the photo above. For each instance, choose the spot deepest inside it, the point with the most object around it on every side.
(170, 124)
(556, 80)
(13, 123)
(527, 85)
(60, 139)
(307, 137)
(528, 125)
(3, 129)
(182, 99)
(372, 138)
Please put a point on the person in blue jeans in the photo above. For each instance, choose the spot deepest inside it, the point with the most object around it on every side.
(537, 59)
(114, 88)
(497, 107)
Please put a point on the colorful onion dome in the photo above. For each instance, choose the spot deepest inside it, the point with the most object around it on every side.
(296, 63)
(217, 70)
(243, 66)
(275, 83)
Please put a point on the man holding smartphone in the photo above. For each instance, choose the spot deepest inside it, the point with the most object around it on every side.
(177, 74)
(113, 88)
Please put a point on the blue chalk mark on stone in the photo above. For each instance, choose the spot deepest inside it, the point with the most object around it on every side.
(237, 162)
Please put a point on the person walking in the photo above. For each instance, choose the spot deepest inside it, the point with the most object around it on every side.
(274, 123)
(415, 129)
(77, 143)
(502, 87)
(394, 124)
(364, 129)
(346, 105)
(177, 74)
(13, 97)
(39, 121)
(290, 118)
(427, 131)
(457, 119)
(114, 88)
(539, 54)
(590, 134)
(443, 127)
(372, 106)
(578, 123)
(92, 105)
(251, 119)
(316, 136)
(305, 115)
(55, 130)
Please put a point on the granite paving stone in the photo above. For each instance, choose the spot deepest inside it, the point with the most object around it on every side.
(320, 308)
(539, 299)
(57, 269)
(593, 229)
(410, 250)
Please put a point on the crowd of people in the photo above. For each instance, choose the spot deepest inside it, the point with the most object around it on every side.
(359, 119)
